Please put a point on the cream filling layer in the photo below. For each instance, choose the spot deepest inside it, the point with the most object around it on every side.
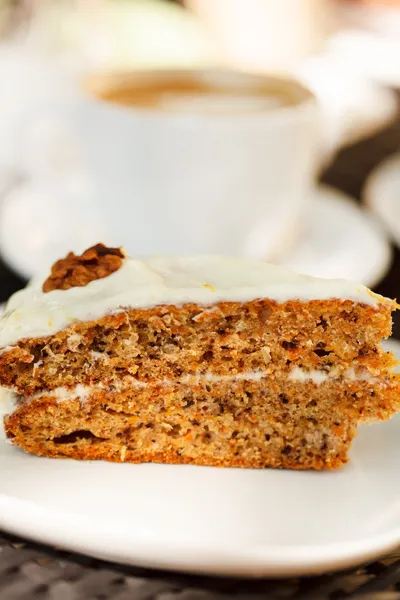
(62, 394)
(298, 374)
(203, 280)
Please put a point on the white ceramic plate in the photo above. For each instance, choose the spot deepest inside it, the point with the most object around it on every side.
(336, 238)
(217, 521)
(339, 239)
(382, 194)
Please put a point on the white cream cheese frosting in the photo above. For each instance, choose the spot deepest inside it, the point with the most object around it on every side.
(203, 280)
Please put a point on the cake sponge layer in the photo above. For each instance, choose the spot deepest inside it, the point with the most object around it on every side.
(245, 423)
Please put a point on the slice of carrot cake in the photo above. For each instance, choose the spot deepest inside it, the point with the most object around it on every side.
(207, 360)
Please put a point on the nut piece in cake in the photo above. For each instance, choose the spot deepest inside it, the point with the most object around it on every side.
(77, 271)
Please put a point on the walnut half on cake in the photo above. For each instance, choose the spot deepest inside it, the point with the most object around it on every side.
(207, 360)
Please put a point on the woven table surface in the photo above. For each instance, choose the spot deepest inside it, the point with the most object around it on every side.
(29, 570)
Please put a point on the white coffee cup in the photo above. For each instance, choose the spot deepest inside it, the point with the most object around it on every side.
(186, 171)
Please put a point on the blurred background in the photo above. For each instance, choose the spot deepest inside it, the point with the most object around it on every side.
(347, 52)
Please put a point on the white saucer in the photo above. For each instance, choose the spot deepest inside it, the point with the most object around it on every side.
(218, 521)
(337, 239)
(382, 194)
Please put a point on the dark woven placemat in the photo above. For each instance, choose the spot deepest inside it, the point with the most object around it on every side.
(29, 570)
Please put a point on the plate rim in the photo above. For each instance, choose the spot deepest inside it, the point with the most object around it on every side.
(258, 561)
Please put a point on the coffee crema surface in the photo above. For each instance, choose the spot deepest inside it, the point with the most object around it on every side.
(188, 91)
